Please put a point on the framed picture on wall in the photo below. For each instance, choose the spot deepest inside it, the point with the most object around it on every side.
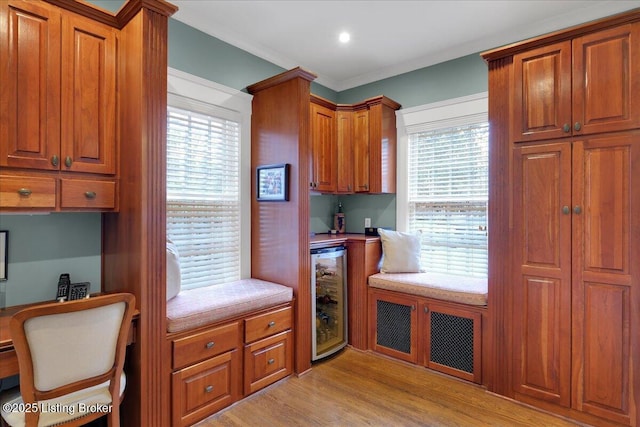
(272, 183)
(4, 253)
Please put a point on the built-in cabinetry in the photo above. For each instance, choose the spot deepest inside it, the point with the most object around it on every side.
(58, 109)
(353, 147)
(571, 290)
(442, 336)
(216, 365)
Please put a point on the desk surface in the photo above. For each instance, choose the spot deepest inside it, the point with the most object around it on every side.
(6, 343)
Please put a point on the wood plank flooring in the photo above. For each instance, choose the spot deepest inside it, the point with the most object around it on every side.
(357, 388)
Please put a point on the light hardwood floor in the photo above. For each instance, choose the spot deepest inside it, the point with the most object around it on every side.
(357, 388)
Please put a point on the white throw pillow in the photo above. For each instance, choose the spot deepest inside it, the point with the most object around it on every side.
(400, 252)
(173, 270)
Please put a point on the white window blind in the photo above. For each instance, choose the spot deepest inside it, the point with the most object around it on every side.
(203, 196)
(447, 195)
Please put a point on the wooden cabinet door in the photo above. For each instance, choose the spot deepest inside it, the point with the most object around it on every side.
(88, 133)
(393, 324)
(542, 273)
(606, 80)
(344, 182)
(361, 151)
(542, 93)
(30, 93)
(323, 148)
(606, 276)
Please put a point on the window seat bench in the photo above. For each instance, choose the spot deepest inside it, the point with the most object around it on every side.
(463, 290)
(226, 342)
(430, 319)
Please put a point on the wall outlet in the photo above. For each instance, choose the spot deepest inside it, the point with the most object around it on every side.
(367, 222)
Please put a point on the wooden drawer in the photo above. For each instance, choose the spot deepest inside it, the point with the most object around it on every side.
(89, 194)
(267, 324)
(204, 345)
(267, 361)
(203, 389)
(27, 192)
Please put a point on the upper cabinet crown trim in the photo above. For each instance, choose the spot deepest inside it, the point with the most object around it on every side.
(566, 34)
(124, 15)
(297, 72)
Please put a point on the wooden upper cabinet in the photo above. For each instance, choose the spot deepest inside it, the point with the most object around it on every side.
(30, 76)
(344, 182)
(606, 80)
(382, 144)
(323, 148)
(542, 93)
(57, 106)
(88, 134)
(576, 87)
(361, 151)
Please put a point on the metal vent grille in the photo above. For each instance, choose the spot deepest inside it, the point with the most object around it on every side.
(394, 326)
(452, 341)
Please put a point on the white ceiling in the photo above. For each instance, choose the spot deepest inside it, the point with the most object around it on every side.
(387, 37)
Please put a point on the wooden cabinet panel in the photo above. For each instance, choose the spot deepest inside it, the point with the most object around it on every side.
(88, 96)
(606, 292)
(344, 181)
(542, 282)
(393, 325)
(361, 151)
(267, 361)
(606, 80)
(30, 92)
(542, 93)
(270, 323)
(206, 344)
(204, 388)
(87, 194)
(27, 192)
(324, 152)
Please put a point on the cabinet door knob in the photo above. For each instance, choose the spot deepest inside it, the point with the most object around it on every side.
(208, 389)
(210, 344)
(68, 162)
(566, 128)
(271, 361)
(577, 210)
(566, 210)
(55, 160)
(426, 309)
(577, 126)
(271, 324)
(90, 194)
(24, 192)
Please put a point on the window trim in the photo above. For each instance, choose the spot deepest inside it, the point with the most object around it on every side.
(448, 113)
(192, 92)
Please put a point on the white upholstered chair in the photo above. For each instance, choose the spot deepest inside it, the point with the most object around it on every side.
(71, 358)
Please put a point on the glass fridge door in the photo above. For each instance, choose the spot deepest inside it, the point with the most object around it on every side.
(329, 301)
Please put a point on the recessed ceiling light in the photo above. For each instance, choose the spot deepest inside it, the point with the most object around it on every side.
(344, 37)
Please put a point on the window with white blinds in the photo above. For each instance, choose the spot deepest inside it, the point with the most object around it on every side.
(447, 197)
(203, 196)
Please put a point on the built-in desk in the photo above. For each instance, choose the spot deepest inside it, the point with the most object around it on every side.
(8, 357)
(363, 258)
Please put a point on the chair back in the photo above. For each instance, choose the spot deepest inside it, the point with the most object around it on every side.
(70, 346)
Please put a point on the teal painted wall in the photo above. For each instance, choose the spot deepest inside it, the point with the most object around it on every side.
(41, 247)
(44, 246)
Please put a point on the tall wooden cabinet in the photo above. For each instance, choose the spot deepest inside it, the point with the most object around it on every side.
(564, 168)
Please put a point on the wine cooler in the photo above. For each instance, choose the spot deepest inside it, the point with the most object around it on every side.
(328, 300)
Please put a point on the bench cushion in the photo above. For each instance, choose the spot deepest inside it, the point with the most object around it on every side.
(464, 290)
(197, 307)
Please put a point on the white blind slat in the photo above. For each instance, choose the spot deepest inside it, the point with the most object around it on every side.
(448, 191)
(203, 196)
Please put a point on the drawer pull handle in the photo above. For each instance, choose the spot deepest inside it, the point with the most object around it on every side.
(210, 344)
(271, 361)
(25, 192)
(272, 324)
(208, 389)
(90, 195)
